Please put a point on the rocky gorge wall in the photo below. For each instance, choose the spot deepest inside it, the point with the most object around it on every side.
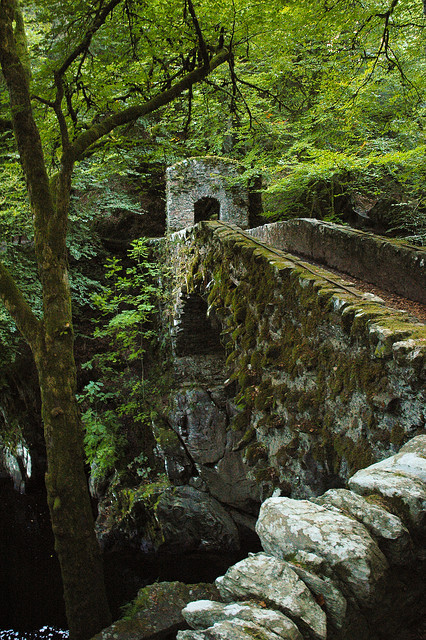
(320, 380)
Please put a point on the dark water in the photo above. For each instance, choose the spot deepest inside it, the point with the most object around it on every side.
(45, 633)
(30, 583)
(31, 603)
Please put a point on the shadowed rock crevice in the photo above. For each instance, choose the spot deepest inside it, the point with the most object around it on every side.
(197, 333)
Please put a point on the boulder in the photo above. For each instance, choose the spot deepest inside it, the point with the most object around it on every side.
(178, 465)
(200, 424)
(400, 479)
(192, 635)
(416, 445)
(205, 613)
(156, 611)
(326, 592)
(228, 482)
(287, 526)
(387, 529)
(191, 520)
(231, 630)
(266, 578)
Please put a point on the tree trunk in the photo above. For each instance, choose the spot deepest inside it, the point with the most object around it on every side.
(67, 491)
(68, 498)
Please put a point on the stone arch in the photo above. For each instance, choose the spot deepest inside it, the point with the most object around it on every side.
(205, 180)
(206, 208)
(196, 331)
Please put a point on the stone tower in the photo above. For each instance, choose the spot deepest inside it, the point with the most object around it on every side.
(204, 188)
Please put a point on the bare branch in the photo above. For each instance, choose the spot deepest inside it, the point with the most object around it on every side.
(201, 42)
(85, 43)
(189, 114)
(265, 93)
(57, 106)
(48, 103)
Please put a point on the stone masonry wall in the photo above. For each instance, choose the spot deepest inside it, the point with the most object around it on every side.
(327, 380)
(391, 264)
(190, 180)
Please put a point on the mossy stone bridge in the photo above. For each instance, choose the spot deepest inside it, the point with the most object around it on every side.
(326, 379)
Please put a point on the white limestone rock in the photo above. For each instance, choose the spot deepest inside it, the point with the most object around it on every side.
(287, 526)
(265, 577)
(191, 635)
(323, 588)
(392, 536)
(231, 630)
(402, 478)
(204, 613)
(416, 445)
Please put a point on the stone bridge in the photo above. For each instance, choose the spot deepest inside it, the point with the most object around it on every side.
(323, 379)
(292, 385)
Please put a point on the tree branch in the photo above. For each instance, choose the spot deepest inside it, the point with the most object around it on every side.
(201, 42)
(21, 39)
(85, 43)
(89, 137)
(28, 324)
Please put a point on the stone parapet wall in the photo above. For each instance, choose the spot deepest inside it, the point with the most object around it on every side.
(390, 264)
(327, 380)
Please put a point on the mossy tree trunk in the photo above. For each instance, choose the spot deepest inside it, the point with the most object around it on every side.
(51, 338)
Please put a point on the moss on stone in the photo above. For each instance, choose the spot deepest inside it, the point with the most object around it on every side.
(241, 421)
(392, 504)
(264, 396)
(267, 475)
(283, 456)
(357, 455)
(255, 452)
(397, 435)
(256, 634)
(167, 439)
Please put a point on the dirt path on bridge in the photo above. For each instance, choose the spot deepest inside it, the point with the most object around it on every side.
(416, 310)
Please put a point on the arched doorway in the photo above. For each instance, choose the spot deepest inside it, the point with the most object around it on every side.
(206, 209)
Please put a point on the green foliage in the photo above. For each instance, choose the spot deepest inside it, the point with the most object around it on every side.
(319, 98)
(17, 254)
(103, 440)
(125, 310)
(312, 187)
